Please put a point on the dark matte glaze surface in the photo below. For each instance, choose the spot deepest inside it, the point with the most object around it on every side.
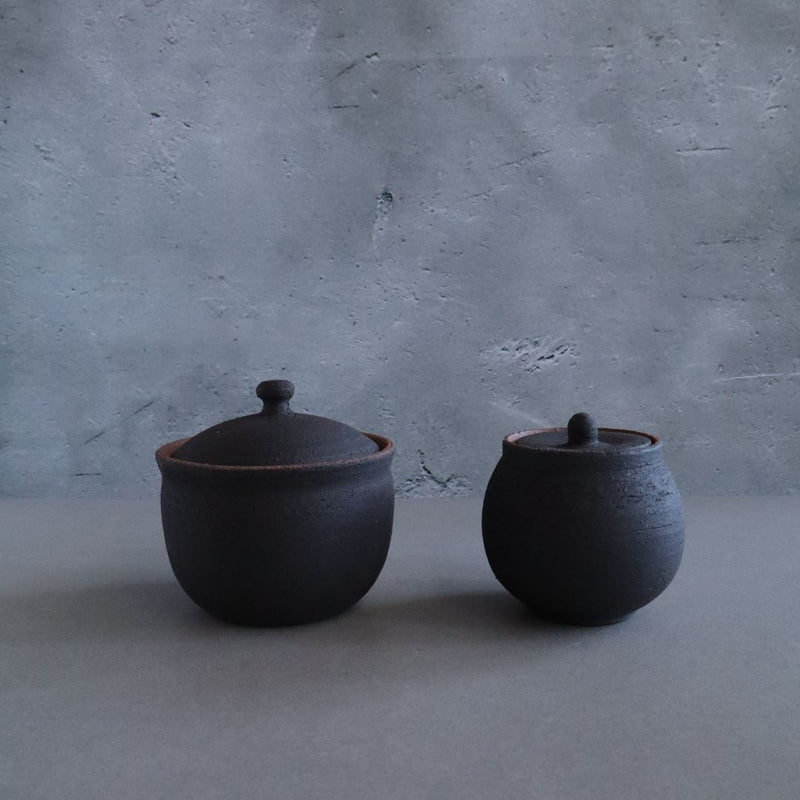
(277, 545)
(275, 436)
(583, 537)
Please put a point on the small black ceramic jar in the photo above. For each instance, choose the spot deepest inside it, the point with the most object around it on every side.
(583, 525)
(277, 518)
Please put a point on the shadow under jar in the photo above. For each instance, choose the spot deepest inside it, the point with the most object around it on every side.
(583, 525)
(277, 518)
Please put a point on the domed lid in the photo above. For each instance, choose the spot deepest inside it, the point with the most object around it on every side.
(277, 436)
(583, 435)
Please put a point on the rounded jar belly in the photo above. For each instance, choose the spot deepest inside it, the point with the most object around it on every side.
(271, 546)
(588, 544)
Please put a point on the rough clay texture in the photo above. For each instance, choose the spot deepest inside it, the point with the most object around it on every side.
(443, 221)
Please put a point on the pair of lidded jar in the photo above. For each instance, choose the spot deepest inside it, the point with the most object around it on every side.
(281, 518)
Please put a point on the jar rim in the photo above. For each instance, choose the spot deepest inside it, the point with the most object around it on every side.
(513, 439)
(165, 458)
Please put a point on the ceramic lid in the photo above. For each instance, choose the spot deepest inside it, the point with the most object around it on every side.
(277, 436)
(582, 434)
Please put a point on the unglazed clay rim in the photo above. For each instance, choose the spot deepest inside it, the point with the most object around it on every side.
(385, 450)
(513, 438)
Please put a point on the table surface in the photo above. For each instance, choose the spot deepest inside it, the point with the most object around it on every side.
(437, 685)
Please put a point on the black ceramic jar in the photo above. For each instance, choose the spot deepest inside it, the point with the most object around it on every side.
(583, 525)
(277, 518)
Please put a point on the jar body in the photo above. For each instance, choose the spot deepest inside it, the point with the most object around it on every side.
(277, 546)
(585, 541)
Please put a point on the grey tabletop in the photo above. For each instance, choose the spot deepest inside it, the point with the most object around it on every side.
(438, 684)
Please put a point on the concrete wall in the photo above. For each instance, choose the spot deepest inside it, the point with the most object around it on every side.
(443, 221)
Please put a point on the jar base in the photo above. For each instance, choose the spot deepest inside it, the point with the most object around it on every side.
(271, 621)
(581, 622)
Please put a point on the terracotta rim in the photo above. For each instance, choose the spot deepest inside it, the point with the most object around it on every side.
(385, 450)
(513, 438)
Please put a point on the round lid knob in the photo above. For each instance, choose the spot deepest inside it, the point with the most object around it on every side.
(276, 396)
(276, 436)
(582, 429)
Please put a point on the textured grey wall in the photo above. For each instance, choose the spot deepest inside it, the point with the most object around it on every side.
(443, 221)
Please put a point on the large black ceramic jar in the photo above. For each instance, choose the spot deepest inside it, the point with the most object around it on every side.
(277, 518)
(583, 525)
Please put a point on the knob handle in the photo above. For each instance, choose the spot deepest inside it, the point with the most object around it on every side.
(276, 396)
(582, 430)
